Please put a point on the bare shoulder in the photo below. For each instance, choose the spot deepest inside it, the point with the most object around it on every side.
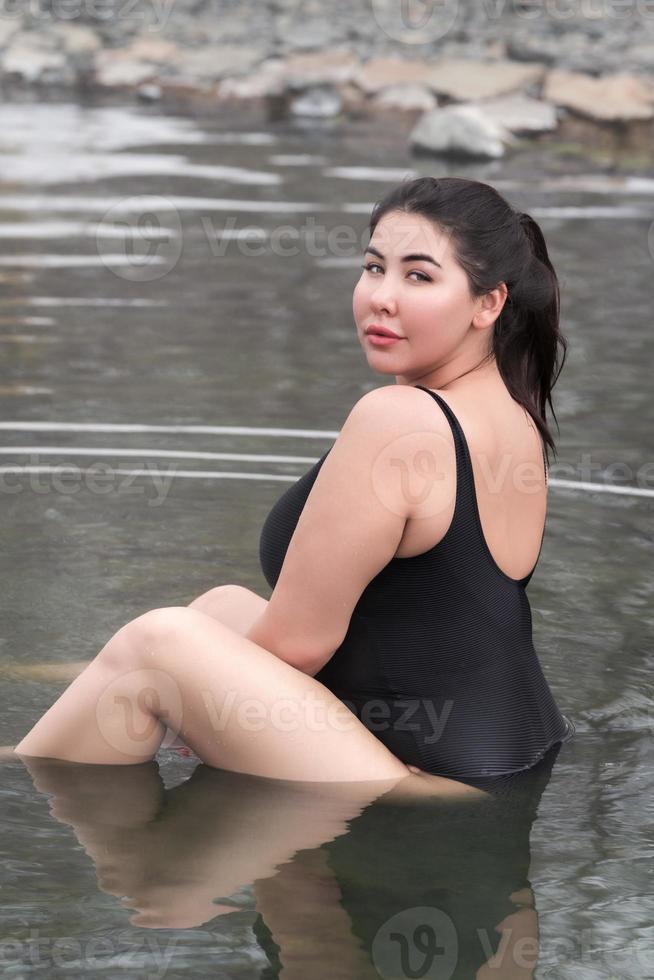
(404, 442)
(394, 410)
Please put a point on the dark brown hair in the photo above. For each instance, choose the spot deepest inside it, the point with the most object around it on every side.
(493, 243)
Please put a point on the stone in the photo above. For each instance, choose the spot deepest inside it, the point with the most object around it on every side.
(76, 39)
(612, 97)
(34, 58)
(319, 68)
(153, 50)
(216, 61)
(149, 92)
(466, 80)
(267, 80)
(320, 101)
(461, 131)
(301, 34)
(642, 55)
(7, 29)
(521, 114)
(405, 97)
(114, 69)
(380, 73)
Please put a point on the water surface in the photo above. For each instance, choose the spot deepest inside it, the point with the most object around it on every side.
(237, 338)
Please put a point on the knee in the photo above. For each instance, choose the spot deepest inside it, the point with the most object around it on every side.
(212, 600)
(156, 624)
(141, 635)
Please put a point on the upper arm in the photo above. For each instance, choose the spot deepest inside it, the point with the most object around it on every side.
(348, 531)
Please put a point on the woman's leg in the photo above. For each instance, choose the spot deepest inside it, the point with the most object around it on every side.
(235, 704)
(233, 605)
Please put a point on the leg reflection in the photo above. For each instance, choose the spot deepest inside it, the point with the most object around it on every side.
(170, 853)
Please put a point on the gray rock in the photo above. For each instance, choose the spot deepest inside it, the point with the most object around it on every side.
(7, 29)
(521, 114)
(216, 61)
(320, 101)
(298, 34)
(268, 79)
(319, 68)
(461, 131)
(33, 57)
(405, 97)
(76, 39)
(149, 92)
(116, 70)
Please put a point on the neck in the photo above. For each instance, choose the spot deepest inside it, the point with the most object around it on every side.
(447, 375)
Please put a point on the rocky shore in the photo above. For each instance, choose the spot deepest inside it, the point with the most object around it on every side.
(464, 78)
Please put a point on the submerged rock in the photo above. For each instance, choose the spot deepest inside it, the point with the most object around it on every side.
(321, 101)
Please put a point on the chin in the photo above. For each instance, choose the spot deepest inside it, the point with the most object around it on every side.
(383, 370)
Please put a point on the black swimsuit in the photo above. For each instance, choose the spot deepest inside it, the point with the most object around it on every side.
(438, 660)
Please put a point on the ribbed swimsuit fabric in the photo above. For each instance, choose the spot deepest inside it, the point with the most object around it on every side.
(438, 660)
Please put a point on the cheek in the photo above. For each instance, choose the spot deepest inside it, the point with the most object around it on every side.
(359, 301)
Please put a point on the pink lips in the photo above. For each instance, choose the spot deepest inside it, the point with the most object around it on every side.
(381, 341)
(381, 336)
(377, 328)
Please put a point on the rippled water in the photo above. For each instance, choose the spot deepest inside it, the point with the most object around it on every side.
(200, 382)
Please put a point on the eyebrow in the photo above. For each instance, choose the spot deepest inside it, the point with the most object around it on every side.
(414, 257)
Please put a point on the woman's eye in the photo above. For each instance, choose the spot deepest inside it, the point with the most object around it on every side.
(375, 265)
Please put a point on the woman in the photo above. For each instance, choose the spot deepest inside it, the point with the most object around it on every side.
(397, 639)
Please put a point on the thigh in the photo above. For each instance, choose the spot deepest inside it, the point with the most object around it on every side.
(241, 708)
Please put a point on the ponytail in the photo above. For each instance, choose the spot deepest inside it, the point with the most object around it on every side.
(527, 345)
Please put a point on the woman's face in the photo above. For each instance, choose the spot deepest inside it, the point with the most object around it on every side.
(425, 300)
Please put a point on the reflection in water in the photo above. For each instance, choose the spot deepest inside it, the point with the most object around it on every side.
(376, 883)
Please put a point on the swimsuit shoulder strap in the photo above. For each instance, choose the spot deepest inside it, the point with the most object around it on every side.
(466, 500)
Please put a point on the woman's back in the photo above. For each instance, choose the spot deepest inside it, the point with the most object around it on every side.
(438, 659)
(510, 477)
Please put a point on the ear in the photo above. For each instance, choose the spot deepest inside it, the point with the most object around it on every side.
(490, 306)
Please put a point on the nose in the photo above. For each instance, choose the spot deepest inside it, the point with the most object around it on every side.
(382, 299)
